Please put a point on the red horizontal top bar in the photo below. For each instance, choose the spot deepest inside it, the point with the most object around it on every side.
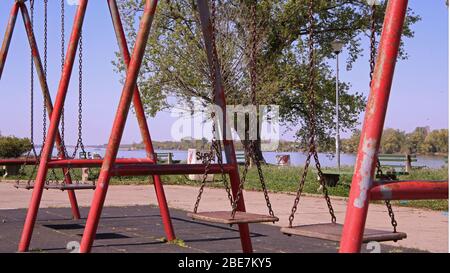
(74, 162)
(166, 169)
(409, 190)
(128, 166)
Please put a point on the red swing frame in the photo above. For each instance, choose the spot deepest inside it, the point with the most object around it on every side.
(130, 94)
(363, 188)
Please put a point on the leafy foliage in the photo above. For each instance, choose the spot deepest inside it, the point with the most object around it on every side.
(12, 147)
(420, 141)
(175, 63)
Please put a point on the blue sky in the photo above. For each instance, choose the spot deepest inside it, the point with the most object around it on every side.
(419, 95)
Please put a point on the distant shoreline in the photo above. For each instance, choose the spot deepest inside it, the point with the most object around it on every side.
(132, 147)
(284, 147)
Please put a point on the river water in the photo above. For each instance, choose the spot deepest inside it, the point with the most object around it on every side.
(297, 159)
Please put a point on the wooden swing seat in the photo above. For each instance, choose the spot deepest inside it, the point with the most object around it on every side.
(332, 232)
(224, 217)
(62, 187)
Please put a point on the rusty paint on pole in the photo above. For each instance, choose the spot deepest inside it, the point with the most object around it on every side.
(41, 175)
(409, 190)
(118, 126)
(48, 102)
(8, 36)
(373, 126)
(230, 154)
(142, 122)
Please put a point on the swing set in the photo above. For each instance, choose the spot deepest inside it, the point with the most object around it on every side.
(351, 235)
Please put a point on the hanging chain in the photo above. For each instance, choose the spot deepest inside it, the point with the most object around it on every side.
(387, 202)
(300, 189)
(373, 42)
(253, 57)
(249, 146)
(215, 149)
(44, 111)
(373, 56)
(63, 45)
(80, 101)
(312, 103)
(311, 117)
(33, 148)
(250, 153)
(32, 80)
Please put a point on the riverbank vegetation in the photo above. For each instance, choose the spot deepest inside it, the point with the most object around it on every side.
(421, 141)
(278, 180)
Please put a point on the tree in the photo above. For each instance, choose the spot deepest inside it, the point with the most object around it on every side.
(12, 147)
(393, 141)
(175, 62)
(351, 144)
(436, 142)
(416, 138)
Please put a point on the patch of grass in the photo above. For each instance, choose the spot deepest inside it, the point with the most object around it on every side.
(36, 250)
(177, 242)
(278, 179)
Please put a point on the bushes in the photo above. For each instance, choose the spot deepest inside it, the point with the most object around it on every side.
(421, 141)
(11, 147)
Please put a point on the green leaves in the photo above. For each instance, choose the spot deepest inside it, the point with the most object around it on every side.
(13, 147)
(175, 63)
(421, 141)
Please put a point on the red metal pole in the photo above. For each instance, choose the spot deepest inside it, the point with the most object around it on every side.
(8, 35)
(203, 8)
(409, 190)
(118, 126)
(140, 114)
(373, 127)
(48, 102)
(127, 166)
(54, 122)
(142, 169)
(74, 163)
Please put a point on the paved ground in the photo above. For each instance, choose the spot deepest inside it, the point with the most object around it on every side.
(139, 229)
(427, 230)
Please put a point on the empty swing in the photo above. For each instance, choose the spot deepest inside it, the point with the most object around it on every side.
(78, 185)
(53, 182)
(330, 231)
(235, 216)
(34, 160)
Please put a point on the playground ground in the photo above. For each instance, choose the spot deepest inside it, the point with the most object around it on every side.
(129, 225)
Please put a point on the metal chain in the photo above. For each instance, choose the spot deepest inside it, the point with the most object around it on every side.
(215, 60)
(391, 215)
(63, 138)
(253, 57)
(33, 148)
(250, 148)
(243, 178)
(32, 80)
(373, 42)
(253, 87)
(312, 103)
(324, 187)
(311, 117)
(300, 189)
(215, 149)
(44, 111)
(80, 100)
(250, 153)
(373, 55)
(388, 204)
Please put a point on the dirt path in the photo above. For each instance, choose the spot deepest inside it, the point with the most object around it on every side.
(426, 229)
